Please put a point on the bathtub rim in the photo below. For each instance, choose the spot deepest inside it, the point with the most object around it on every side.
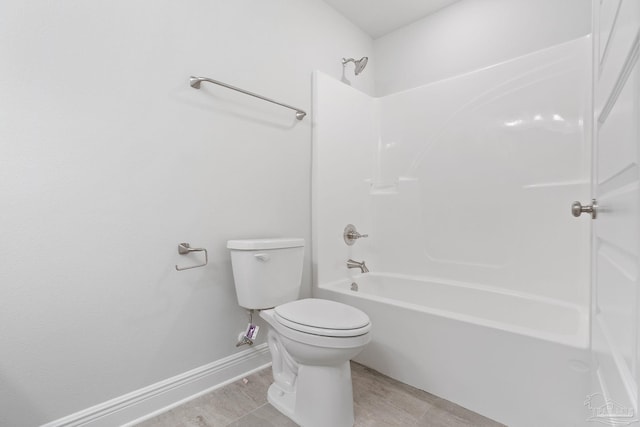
(580, 340)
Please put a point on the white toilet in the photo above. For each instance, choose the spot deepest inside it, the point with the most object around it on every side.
(311, 340)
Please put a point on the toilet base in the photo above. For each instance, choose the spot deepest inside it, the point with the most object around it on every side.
(323, 396)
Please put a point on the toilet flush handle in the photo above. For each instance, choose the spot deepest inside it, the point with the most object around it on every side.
(262, 257)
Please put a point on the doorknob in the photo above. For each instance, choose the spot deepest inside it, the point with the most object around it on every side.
(577, 209)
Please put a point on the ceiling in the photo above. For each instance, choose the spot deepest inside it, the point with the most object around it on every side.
(379, 17)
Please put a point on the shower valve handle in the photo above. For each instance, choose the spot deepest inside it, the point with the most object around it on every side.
(350, 234)
(356, 235)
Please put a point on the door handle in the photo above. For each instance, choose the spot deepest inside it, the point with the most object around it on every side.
(578, 209)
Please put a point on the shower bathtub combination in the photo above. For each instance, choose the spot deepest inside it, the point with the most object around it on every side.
(476, 289)
(486, 350)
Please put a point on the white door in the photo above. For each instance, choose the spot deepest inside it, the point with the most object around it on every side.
(616, 230)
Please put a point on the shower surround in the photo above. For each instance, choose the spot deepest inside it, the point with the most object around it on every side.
(479, 283)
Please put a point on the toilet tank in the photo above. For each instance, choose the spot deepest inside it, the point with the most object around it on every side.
(266, 272)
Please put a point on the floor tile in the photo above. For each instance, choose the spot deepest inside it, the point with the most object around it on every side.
(379, 401)
(447, 414)
(265, 416)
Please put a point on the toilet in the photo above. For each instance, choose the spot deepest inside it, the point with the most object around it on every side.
(311, 340)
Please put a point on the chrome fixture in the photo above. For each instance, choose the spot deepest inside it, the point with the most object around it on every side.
(243, 340)
(354, 287)
(355, 264)
(185, 248)
(577, 209)
(359, 63)
(195, 83)
(247, 337)
(350, 235)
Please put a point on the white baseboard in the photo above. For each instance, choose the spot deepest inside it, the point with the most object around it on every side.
(161, 396)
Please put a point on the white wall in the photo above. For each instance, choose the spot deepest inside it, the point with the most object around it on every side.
(109, 160)
(472, 34)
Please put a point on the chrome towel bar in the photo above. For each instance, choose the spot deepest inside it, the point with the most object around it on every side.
(185, 248)
(195, 83)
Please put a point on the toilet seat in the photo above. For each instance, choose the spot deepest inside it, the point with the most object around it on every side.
(322, 340)
(322, 317)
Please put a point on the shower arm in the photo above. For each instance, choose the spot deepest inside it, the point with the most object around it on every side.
(195, 83)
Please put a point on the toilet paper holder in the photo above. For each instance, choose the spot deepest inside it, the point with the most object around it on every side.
(185, 248)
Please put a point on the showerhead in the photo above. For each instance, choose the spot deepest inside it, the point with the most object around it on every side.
(359, 63)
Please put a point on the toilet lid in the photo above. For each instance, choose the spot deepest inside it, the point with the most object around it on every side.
(323, 317)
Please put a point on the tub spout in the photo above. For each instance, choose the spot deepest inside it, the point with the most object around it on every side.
(355, 264)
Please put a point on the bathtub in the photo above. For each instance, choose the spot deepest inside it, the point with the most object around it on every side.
(519, 359)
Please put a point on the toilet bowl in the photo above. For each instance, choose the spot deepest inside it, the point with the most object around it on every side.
(310, 340)
(311, 348)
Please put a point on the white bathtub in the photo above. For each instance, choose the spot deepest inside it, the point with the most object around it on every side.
(521, 360)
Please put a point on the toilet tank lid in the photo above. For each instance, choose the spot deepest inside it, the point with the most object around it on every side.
(258, 244)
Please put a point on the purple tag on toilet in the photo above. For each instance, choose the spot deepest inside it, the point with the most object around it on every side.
(252, 331)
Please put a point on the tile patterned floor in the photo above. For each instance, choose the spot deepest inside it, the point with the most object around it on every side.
(379, 401)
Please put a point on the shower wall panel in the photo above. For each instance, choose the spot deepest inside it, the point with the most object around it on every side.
(486, 165)
(468, 179)
(345, 134)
